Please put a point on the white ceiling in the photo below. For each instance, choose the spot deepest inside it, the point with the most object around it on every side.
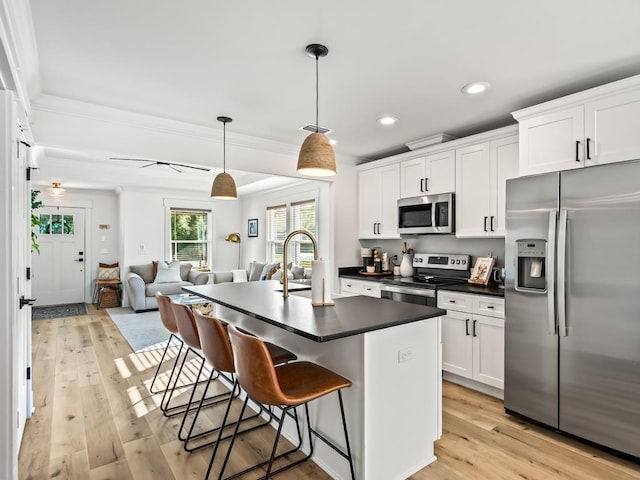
(194, 60)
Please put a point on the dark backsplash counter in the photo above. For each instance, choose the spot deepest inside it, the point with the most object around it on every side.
(353, 272)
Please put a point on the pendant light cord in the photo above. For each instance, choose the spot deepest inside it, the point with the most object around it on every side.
(317, 94)
(224, 147)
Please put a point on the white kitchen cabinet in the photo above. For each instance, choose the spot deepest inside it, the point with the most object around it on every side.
(473, 337)
(481, 174)
(378, 193)
(428, 175)
(349, 286)
(593, 127)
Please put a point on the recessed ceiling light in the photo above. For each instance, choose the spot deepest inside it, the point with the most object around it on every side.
(475, 88)
(387, 120)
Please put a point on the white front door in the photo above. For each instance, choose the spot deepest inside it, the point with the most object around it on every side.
(58, 270)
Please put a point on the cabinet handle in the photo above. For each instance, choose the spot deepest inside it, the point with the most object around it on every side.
(426, 184)
(349, 285)
(485, 224)
(474, 328)
(491, 223)
(422, 184)
(452, 301)
(577, 149)
(588, 154)
(491, 307)
(378, 228)
(466, 327)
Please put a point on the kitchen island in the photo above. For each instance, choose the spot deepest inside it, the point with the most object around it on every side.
(389, 350)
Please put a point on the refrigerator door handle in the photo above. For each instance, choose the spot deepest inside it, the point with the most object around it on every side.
(562, 250)
(551, 273)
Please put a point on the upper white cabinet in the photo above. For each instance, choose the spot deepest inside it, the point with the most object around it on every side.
(378, 194)
(481, 174)
(593, 127)
(428, 175)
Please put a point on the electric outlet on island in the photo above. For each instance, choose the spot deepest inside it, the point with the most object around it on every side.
(405, 354)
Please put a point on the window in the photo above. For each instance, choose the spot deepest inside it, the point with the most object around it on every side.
(190, 237)
(56, 224)
(276, 232)
(285, 218)
(303, 215)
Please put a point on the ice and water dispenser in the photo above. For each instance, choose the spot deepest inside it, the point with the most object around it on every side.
(530, 266)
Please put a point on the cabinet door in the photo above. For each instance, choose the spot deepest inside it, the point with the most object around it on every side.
(504, 165)
(548, 142)
(473, 191)
(412, 175)
(611, 128)
(368, 203)
(457, 343)
(440, 173)
(389, 194)
(488, 350)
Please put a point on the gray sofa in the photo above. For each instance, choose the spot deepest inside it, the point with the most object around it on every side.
(260, 271)
(141, 289)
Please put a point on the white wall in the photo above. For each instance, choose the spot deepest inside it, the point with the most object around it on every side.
(144, 216)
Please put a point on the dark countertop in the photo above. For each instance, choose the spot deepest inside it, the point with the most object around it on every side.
(352, 272)
(350, 315)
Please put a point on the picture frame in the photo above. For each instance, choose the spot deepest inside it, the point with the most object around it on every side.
(253, 227)
(482, 270)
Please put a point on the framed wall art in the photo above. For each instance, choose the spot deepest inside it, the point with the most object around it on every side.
(253, 227)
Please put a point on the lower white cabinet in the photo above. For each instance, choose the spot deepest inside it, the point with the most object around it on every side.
(473, 336)
(359, 287)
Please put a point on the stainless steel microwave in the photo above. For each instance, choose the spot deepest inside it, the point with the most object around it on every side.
(427, 214)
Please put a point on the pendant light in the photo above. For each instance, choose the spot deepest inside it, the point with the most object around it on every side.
(317, 157)
(224, 187)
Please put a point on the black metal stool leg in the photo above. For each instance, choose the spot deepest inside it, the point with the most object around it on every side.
(155, 377)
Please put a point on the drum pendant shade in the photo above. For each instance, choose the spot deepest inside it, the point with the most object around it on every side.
(224, 187)
(316, 157)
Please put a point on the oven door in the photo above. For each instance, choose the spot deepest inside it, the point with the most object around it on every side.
(419, 296)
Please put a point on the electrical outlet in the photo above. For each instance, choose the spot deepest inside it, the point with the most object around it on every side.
(405, 354)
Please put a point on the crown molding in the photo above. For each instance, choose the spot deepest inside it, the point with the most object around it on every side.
(74, 108)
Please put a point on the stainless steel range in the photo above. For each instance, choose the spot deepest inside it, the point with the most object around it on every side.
(431, 271)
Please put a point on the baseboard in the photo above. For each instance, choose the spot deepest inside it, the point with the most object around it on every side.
(473, 385)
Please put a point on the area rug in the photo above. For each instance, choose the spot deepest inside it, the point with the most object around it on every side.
(57, 311)
(143, 331)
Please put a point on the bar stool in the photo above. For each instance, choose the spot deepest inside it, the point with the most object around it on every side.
(189, 333)
(169, 322)
(217, 350)
(287, 386)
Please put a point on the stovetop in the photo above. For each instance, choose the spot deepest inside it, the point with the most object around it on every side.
(430, 281)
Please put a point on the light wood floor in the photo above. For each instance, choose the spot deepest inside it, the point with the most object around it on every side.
(95, 419)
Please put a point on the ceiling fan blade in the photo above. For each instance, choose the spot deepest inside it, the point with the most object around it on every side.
(205, 169)
(172, 165)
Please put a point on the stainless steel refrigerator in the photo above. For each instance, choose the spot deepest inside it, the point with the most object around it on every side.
(572, 299)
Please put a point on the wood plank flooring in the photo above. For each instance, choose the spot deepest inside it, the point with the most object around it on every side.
(95, 419)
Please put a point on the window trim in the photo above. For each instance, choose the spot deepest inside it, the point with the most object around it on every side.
(180, 208)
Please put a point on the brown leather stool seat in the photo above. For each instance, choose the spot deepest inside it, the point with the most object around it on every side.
(169, 322)
(217, 350)
(287, 386)
(189, 333)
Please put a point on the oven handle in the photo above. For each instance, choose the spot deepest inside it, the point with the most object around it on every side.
(409, 291)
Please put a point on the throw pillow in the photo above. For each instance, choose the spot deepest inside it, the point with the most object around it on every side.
(256, 271)
(271, 272)
(267, 268)
(112, 273)
(168, 273)
(108, 265)
(298, 271)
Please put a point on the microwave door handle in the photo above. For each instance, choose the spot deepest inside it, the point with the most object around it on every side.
(434, 225)
(551, 273)
(562, 251)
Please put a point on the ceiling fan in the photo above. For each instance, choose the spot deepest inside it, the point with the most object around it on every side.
(171, 165)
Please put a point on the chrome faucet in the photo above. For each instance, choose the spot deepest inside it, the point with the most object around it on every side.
(285, 279)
